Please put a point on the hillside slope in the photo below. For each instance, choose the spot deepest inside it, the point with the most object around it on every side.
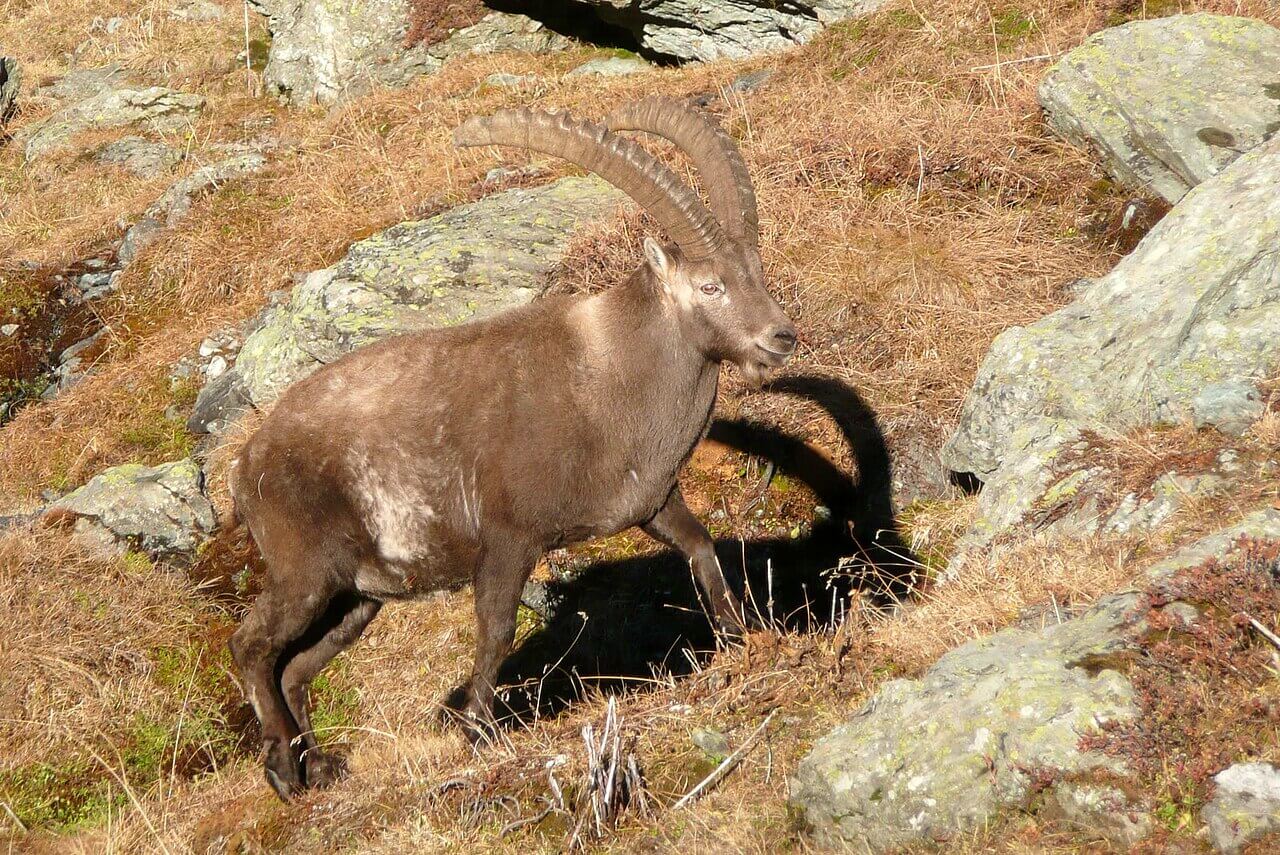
(914, 206)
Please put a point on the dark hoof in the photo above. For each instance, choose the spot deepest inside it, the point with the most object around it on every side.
(323, 769)
(283, 770)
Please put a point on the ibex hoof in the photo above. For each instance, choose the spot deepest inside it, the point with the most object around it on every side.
(283, 770)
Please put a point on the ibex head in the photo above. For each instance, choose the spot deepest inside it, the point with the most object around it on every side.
(711, 278)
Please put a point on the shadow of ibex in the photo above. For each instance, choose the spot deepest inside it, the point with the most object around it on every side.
(617, 623)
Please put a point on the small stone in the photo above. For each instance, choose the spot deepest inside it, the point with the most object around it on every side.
(753, 81)
(220, 401)
(143, 158)
(712, 742)
(1102, 810)
(197, 11)
(156, 108)
(216, 367)
(208, 348)
(8, 329)
(138, 238)
(506, 80)
(611, 66)
(1245, 806)
(1230, 407)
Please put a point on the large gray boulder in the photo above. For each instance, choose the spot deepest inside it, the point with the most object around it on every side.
(161, 510)
(1196, 305)
(993, 726)
(1244, 807)
(10, 83)
(1168, 102)
(469, 262)
(715, 29)
(155, 108)
(928, 758)
(322, 51)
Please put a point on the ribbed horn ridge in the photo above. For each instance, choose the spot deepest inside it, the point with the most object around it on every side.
(713, 152)
(619, 161)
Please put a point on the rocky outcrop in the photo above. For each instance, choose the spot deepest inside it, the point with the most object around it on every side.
(1195, 306)
(469, 262)
(10, 83)
(160, 510)
(715, 29)
(1245, 806)
(323, 51)
(993, 725)
(155, 108)
(1169, 102)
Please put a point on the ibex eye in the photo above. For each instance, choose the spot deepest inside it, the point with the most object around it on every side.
(712, 288)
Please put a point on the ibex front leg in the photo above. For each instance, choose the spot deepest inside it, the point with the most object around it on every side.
(677, 527)
(498, 584)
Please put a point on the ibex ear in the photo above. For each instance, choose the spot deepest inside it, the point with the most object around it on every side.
(662, 264)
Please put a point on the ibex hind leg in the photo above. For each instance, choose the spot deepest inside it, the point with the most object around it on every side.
(278, 618)
(337, 629)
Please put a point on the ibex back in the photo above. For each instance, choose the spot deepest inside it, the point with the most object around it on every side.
(462, 454)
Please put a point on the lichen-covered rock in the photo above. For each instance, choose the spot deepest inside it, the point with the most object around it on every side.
(10, 83)
(1245, 806)
(156, 108)
(996, 723)
(161, 510)
(715, 29)
(323, 50)
(1168, 102)
(1051, 479)
(469, 262)
(927, 759)
(1195, 305)
(143, 158)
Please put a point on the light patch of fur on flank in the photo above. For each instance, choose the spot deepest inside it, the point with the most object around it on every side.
(394, 509)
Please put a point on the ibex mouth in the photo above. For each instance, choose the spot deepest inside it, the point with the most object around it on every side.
(756, 369)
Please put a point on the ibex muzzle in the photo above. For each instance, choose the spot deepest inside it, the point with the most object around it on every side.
(462, 454)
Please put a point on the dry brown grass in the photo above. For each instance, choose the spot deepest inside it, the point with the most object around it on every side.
(912, 208)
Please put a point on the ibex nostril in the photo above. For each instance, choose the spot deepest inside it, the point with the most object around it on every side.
(785, 338)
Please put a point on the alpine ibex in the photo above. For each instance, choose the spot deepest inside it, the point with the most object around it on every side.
(434, 458)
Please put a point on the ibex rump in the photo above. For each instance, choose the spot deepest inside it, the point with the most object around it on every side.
(463, 454)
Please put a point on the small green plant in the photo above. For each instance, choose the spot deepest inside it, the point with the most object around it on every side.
(1012, 26)
(335, 702)
(58, 797)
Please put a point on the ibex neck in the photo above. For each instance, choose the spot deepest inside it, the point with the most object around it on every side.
(638, 360)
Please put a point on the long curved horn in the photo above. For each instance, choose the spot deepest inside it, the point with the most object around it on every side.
(619, 161)
(713, 152)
